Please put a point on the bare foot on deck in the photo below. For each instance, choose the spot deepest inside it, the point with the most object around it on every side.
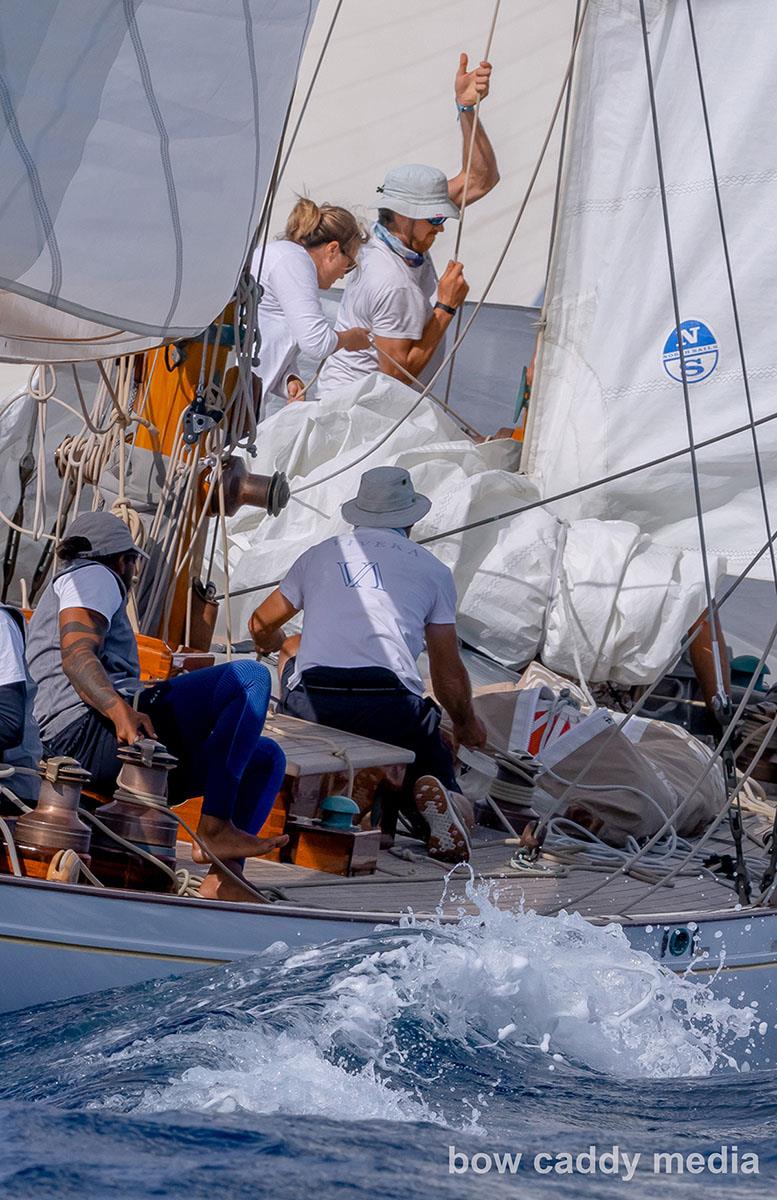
(226, 841)
(218, 886)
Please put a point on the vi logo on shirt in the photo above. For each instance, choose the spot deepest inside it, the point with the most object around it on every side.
(362, 575)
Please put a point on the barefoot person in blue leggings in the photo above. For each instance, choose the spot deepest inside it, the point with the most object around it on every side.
(83, 656)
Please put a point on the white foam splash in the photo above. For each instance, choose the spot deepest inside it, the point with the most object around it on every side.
(286, 1074)
(557, 984)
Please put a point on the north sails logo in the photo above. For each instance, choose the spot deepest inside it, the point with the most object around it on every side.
(700, 352)
(363, 574)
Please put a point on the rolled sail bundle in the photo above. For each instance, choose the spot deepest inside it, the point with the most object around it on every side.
(619, 782)
(599, 592)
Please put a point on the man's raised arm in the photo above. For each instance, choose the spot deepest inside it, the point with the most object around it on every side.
(484, 172)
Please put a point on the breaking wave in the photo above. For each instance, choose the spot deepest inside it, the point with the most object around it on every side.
(425, 1023)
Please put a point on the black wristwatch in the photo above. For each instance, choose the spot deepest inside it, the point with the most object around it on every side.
(445, 308)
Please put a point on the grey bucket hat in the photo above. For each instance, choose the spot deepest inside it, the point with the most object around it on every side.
(105, 533)
(386, 499)
(416, 191)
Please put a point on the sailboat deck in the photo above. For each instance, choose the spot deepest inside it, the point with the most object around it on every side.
(423, 886)
(406, 879)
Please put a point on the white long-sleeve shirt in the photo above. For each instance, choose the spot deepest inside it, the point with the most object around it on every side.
(291, 320)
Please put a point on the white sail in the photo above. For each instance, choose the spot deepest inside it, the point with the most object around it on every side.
(609, 395)
(137, 144)
(384, 95)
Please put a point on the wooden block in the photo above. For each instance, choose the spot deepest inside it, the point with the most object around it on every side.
(275, 824)
(306, 792)
(310, 749)
(185, 659)
(156, 658)
(190, 810)
(336, 851)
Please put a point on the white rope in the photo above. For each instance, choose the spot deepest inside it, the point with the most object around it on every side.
(222, 520)
(652, 841)
(10, 845)
(465, 192)
(572, 621)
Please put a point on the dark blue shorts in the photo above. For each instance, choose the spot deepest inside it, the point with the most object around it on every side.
(373, 702)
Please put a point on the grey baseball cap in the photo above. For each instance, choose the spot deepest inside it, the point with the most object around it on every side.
(416, 191)
(386, 499)
(105, 533)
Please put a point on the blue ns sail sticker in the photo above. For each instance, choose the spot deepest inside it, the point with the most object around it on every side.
(700, 352)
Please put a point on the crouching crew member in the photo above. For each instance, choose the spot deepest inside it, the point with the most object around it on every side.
(83, 657)
(372, 598)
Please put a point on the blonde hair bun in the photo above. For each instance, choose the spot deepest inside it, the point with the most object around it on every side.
(311, 224)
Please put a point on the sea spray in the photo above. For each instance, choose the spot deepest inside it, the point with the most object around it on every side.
(425, 1022)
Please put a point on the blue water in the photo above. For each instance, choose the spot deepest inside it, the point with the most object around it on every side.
(380, 1067)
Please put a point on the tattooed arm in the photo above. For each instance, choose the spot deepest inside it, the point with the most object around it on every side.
(81, 634)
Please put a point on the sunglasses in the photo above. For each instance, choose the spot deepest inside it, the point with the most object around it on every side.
(352, 264)
(436, 221)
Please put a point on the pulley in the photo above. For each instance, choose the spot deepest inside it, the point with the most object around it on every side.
(199, 418)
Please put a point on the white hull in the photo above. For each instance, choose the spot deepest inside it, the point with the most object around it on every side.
(60, 941)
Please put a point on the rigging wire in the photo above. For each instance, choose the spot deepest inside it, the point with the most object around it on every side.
(465, 190)
(709, 832)
(681, 352)
(443, 404)
(579, 489)
(561, 160)
(489, 283)
(309, 92)
(717, 754)
(279, 167)
(722, 750)
(722, 701)
(732, 289)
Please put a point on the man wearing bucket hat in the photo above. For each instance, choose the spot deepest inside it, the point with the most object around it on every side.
(372, 599)
(83, 657)
(395, 293)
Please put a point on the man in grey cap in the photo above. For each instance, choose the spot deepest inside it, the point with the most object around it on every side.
(372, 600)
(395, 293)
(83, 657)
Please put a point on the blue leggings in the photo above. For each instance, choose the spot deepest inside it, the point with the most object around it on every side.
(212, 721)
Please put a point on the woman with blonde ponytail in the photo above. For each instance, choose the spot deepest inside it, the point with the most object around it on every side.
(319, 246)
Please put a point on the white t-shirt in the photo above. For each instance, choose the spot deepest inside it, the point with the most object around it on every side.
(368, 596)
(94, 587)
(391, 299)
(291, 318)
(11, 650)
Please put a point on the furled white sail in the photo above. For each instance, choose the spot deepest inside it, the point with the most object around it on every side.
(608, 394)
(598, 599)
(137, 143)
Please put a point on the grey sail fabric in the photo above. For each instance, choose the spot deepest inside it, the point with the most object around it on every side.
(137, 140)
